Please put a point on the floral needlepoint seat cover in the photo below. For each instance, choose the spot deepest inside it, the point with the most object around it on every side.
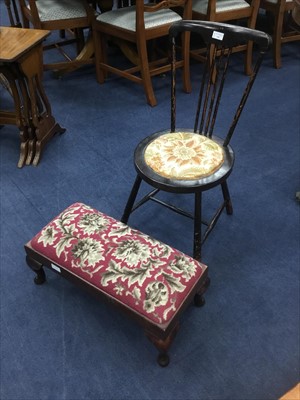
(146, 275)
(184, 156)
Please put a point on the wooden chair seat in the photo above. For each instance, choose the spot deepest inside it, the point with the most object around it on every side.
(124, 18)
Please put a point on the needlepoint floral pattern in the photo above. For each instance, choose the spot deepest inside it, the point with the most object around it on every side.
(143, 273)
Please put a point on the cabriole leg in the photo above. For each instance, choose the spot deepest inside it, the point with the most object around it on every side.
(38, 269)
(163, 345)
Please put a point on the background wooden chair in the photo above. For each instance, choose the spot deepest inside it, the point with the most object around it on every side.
(279, 11)
(232, 11)
(132, 28)
(192, 161)
(61, 16)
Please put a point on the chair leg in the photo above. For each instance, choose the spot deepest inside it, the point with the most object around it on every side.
(186, 60)
(248, 59)
(227, 198)
(197, 226)
(131, 199)
(79, 35)
(277, 39)
(100, 55)
(145, 72)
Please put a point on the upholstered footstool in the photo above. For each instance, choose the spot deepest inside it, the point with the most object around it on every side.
(149, 280)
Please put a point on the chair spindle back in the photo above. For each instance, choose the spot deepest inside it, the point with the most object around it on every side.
(219, 40)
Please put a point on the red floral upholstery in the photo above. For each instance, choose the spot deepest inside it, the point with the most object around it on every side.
(146, 275)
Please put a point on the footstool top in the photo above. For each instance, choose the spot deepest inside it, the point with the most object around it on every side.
(144, 274)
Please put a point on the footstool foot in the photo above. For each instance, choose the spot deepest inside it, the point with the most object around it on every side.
(163, 360)
(199, 300)
(38, 269)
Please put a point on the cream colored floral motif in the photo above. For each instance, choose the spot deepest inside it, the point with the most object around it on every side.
(132, 251)
(184, 155)
(48, 236)
(91, 223)
(156, 295)
(89, 251)
(182, 267)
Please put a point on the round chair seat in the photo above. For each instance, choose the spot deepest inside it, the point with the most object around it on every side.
(184, 156)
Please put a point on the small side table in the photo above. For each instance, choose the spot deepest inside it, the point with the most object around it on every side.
(21, 65)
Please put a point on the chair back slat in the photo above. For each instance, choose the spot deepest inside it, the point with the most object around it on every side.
(219, 40)
(243, 100)
(217, 64)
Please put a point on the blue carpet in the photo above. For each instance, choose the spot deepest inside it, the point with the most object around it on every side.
(58, 343)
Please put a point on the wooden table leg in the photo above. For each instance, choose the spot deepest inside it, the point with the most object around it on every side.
(19, 116)
(43, 122)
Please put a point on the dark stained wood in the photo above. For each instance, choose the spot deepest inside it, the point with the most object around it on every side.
(214, 74)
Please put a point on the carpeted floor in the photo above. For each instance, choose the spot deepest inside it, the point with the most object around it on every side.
(58, 343)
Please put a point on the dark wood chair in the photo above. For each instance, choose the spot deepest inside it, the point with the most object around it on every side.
(228, 12)
(192, 161)
(280, 11)
(132, 28)
(72, 17)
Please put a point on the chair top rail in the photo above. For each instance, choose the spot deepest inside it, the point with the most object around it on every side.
(215, 32)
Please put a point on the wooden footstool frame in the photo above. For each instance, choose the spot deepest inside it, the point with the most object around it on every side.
(153, 287)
